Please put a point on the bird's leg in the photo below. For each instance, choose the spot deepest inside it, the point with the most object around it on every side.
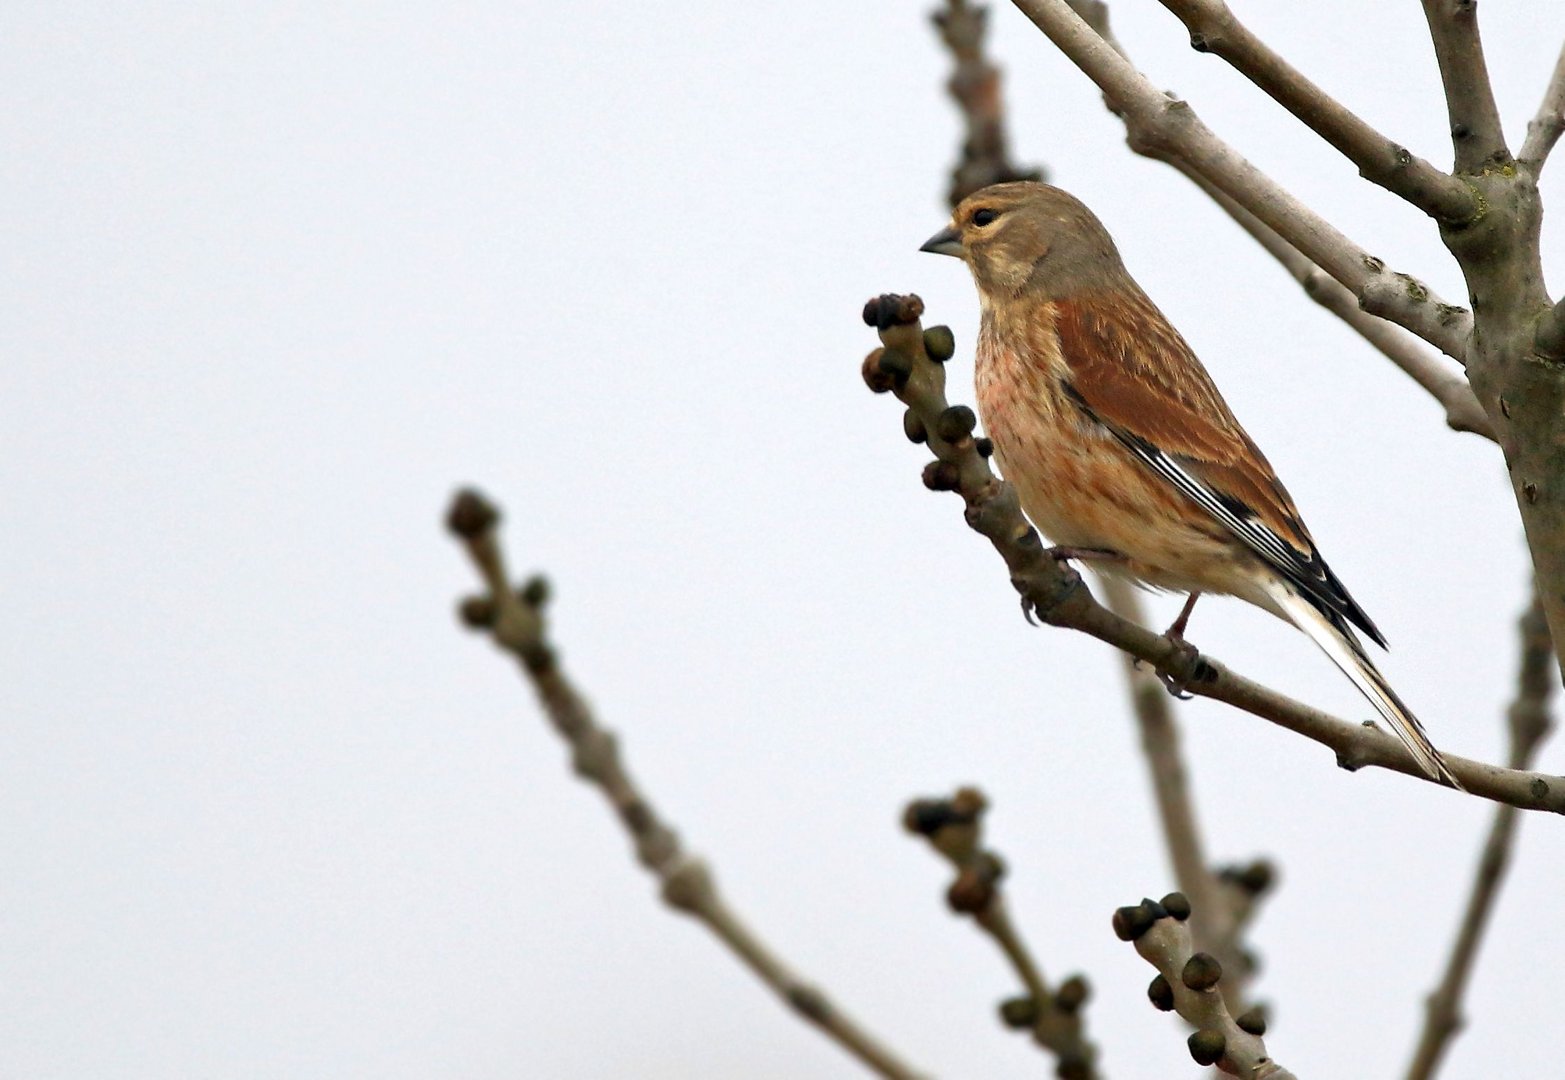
(1186, 651)
(1176, 629)
(1084, 554)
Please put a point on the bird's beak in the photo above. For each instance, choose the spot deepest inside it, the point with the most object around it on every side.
(945, 242)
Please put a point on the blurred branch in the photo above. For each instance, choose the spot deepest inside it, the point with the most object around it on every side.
(1529, 724)
(1214, 29)
(954, 828)
(1224, 903)
(1449, 388)
(1163, 126)
(514, 620)
(975, 86)
(1187, 982)
(1543, 131)
(1476, 133)
(910, 363)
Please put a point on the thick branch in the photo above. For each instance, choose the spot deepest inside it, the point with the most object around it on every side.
(1529, 723)
(1214, 28)
(1057, 594)
(1475, 121)
(1169, 126)
(1544, 129)
(514, 620)
(954, 827)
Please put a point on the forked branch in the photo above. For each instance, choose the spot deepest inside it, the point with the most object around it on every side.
(1171, 127)
(1544, 129)
(1476, 133)
(1215, 29)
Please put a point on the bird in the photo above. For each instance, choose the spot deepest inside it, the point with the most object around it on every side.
(1120, 447)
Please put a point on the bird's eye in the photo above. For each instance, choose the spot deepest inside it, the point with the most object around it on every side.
(984, 216)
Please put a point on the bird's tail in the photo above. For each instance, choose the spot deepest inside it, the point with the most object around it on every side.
(1337, 641)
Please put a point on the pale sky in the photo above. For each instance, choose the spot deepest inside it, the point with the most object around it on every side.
(279, 277)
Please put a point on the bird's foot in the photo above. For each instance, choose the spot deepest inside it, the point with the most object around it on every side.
(1186, 659)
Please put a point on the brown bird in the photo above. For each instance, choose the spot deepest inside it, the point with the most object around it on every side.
(1120, 446)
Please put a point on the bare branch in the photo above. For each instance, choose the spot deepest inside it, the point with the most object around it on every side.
(954, 827)
(1057, 594)
(1449, 388)
(514, 621)
(1214, 28)
(975, 86)
(1529, 723)
(1168, 126)
(1187, 982)
(1543, 130)
(1475, 121)
(1214, 921)
(1429, 370)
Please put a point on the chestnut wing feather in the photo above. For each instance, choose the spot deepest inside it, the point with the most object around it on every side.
(1132, 372)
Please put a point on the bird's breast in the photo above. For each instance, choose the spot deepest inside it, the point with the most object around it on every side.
(1077, 483)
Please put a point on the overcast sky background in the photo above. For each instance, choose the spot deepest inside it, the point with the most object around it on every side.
(279, 277)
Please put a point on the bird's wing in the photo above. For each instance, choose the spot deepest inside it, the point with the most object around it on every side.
(1132, 372)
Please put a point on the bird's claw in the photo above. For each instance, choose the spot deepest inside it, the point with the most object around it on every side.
(1185, 657)
(1027, 609)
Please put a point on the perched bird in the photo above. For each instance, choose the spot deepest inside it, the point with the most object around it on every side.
(1119, 445)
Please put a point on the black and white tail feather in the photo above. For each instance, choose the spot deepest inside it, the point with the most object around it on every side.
(1310, 596)
(1336, 639)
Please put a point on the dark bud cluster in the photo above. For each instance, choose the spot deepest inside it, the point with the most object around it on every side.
(956, 423)
(1201, 972)
(534, 591)
(1207, 1046)
(975, 884)
(1252, 1021)
(1072, 994)
(942, 476)
(889, 309)
(928, 816)
(1018, 1013)
(1131, 922)
(939, 343)
(471, 515)
(1256, 878)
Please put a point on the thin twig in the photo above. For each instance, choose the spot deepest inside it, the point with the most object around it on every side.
(1529, 723)
(514, 620)
(1476, 133)
(954, 828)
(975, 86)
(1214, 28)
(1056, 593)
(1188, 982)
(1168, 125)
(1544, 129)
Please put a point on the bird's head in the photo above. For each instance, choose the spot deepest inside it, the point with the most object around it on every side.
(1029, 238)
